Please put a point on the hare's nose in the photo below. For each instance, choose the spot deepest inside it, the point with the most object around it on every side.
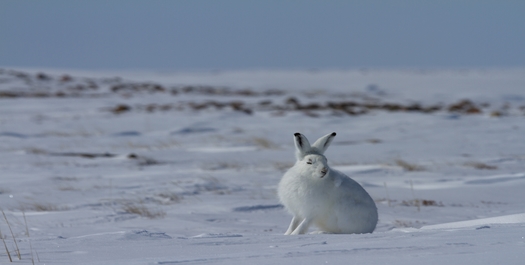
(323, 171)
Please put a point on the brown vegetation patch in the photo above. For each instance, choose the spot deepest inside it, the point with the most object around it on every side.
(143, 210)
(479, 165)
(465, 107)
(43, 85)
(409, 166)
(85, 155)
(43, 207)
(417, 203)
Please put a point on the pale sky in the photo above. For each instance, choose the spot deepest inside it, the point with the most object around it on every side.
(265, 34)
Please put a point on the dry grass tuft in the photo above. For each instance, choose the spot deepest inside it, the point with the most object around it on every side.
(408, 166)
(402, 223)
(282, 166)
(479, 165)
(29, 237)
(65, 178)
(143, 210)
(374, 141)
(6, 249)
(43, 207)
(67, 188)
(169, 197)
(222, 166)
(264, 143)
(417, 203)
(13, 235)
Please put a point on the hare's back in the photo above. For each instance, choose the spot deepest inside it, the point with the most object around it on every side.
(350, 191)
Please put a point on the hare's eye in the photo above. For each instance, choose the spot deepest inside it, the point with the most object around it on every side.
(309, 162)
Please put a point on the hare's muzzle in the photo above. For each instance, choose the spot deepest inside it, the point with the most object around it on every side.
(323, 172)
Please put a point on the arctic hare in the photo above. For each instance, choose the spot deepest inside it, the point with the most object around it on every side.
(317, 194)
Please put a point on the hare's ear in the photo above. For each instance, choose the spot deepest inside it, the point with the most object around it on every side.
(322, 143)
(302, 146)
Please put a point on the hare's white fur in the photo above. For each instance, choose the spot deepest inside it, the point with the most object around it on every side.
(316, 194)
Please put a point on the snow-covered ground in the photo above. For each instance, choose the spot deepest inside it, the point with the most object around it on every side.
(169, 168)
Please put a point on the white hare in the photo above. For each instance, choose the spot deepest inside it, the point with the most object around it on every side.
(316, 194)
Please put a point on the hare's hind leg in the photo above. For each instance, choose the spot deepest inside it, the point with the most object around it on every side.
(303, 227)
(295, 222)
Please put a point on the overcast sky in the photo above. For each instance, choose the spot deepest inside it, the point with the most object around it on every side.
(265, 34)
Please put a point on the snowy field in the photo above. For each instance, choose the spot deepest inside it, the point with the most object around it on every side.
(182, 168)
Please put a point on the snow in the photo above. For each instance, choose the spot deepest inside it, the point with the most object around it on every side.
(187, 174)
(482, 223)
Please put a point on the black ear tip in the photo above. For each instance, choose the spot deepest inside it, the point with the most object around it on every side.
(296, 134)
(333, 134)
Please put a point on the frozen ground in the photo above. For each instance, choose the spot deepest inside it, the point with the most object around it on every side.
(169, 168)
